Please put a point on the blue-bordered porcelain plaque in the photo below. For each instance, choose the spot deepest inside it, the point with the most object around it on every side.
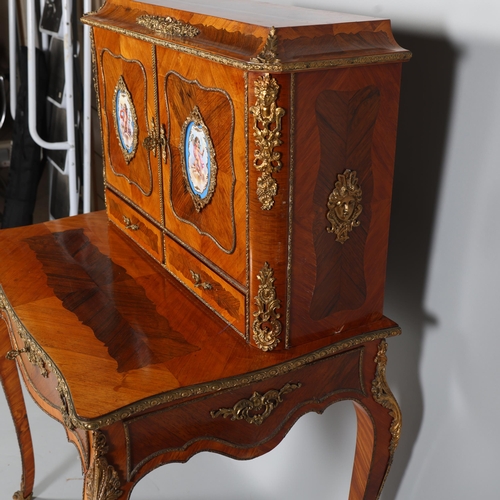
(125, 119)
(198, 159)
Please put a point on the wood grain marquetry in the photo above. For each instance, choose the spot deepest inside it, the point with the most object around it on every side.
(209, 286)
(137, 178)
(217, 219)
(281, 101)
(236, 280)
(112, 346)
(135, 225)
(107, 300)
(345, 122)
(348, 122)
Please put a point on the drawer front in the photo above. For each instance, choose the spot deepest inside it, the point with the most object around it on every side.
(206, 284)
(246, 421)
(134, 225)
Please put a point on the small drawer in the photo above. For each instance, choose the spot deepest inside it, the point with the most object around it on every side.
(143, 232)
(206, 284)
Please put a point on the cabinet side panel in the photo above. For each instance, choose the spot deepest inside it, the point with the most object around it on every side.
(345, 124)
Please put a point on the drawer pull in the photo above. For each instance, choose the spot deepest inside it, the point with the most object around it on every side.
(198, 283)
(11, 355)
(35, 356)
(256, 409)
(129, 225)
(156, 139)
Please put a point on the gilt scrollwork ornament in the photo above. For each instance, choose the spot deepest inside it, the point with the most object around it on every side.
(101, 481)
(168, 26)
(62, 389)
(34, 355)
(344, 206)
(19, 495)
(267, 133)
(269, 54)
(267, 326)
(382, 394)
(258, 407)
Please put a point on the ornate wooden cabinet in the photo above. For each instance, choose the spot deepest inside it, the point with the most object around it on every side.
(249, 149)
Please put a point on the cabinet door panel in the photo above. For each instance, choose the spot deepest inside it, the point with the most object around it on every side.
(202, 107)
(127, 106)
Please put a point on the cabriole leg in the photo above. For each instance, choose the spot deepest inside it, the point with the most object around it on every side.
(378, 432)
(9, 377)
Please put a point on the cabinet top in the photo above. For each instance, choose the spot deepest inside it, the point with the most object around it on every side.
(258, 13)
(254, 35)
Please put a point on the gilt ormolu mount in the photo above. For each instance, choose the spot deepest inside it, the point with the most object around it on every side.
(250, 165)
(277, 150)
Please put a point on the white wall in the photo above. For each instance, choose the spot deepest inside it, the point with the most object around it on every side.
(443, 282)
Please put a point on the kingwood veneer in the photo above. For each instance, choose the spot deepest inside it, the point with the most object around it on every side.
(236, 280)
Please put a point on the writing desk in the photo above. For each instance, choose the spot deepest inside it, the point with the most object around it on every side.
(140, 373)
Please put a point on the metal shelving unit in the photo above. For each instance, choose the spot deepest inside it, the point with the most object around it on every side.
(68, 154)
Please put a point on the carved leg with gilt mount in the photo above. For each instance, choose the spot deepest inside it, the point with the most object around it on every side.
(378, 428)
(101, 479)
(11, 383)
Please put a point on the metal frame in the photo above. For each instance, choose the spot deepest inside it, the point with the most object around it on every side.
(69, 144)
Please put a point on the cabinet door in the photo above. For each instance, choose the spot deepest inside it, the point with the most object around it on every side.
(202, 106)
(128, 116)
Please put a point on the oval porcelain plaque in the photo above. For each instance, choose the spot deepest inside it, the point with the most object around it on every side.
(198, 157)
(125, 120)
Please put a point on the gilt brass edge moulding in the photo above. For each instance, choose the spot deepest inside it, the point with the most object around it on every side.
(291, 176)
(162, 158)
(145, 192)
(246, 409)
(206, 388)
(39, 358)
(247, 207)
(95, 79)
(250, 65)
(239, 381)
(267, 136)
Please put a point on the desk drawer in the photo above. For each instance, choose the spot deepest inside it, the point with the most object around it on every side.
(248, 420)
(137, 227)
(206, 284)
